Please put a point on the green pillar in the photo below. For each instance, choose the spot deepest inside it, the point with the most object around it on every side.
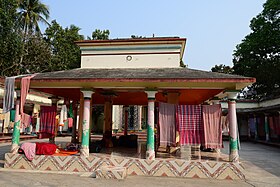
(233, 128)
(16, 130)
(150, 154)
(86, 119)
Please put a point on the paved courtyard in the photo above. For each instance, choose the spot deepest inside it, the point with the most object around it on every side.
(261, 163)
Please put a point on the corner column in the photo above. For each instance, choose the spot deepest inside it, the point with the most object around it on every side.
(150, 153)
(86, 118)
(233, 134)
(16, 130)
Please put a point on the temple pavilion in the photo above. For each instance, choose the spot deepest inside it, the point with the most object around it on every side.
(142, 72)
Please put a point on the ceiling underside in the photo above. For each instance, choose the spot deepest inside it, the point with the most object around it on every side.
(135, 97)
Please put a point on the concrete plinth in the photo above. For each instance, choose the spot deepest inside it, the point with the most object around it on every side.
(135, 166)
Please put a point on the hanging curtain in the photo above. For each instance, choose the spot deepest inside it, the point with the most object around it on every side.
(47, 121)
(189, 121)
(25, 83)
(167, 124)
(8, 101)
(212, 126)
(25, 120)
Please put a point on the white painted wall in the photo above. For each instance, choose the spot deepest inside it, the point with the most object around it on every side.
(31, 97)
(137, 61)
(131, 56)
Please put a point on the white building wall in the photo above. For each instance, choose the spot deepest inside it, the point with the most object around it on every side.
(131, 61)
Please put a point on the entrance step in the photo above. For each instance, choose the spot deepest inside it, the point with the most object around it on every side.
(111, 172)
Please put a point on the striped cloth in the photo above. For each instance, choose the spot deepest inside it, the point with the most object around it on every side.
(211, 115)
(47, 121)
(167, 123)
(189, 121)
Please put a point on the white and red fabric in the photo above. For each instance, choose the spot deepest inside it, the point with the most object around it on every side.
(189, 122)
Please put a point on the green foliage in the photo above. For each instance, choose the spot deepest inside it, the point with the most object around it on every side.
(65, 53)
(100, 34)
(37, 55)
(222, 69)
(10, 40)
(31, 12)
(258, 55)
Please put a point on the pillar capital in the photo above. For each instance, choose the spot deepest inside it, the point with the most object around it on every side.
(151, 94)
(232, 94)
(87, 93)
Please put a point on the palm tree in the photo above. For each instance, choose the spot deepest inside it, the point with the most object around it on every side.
(30, 13)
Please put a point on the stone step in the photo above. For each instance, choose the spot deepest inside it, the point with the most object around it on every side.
(111, 172)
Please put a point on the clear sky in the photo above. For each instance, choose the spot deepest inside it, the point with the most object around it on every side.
(212, 27)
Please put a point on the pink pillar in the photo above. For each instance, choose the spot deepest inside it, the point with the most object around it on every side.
(233, 130)
(86, 119)
(150, 154)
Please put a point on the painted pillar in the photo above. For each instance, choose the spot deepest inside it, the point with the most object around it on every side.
(125, 120)
(256, 127)
(150, 154)
(86, 119)
(16, 130)
(266, 127)
(233, 134)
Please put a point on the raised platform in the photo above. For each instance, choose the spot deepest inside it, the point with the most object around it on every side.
(135, 166)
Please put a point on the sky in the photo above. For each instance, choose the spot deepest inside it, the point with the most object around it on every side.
(213, 28)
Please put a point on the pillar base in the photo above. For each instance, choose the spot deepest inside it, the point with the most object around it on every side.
(14, 148)
(233, 156)
(150, 155)
(84, 151)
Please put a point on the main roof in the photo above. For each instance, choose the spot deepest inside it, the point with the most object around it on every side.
(140, 73)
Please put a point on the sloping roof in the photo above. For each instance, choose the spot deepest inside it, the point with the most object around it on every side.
(140, 73)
